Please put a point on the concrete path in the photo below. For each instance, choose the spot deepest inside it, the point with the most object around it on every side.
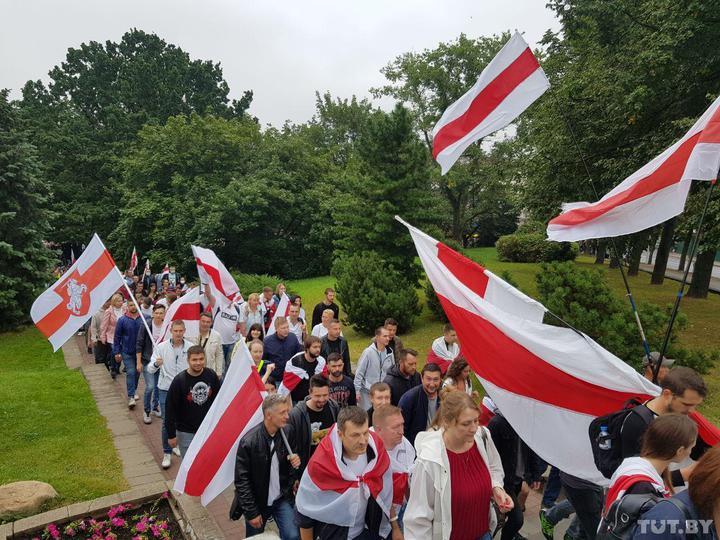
(673, 273)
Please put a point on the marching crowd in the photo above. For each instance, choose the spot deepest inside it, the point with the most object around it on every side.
(385, 450)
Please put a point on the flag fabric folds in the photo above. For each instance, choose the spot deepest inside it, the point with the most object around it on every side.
(651, 195)
(293, 375)
(549, 382)
(507, 86)
(208, 468)
(213, 273)
(332, 493)
(186, 308)
(63, 308)
(281, 311)
(133, 261)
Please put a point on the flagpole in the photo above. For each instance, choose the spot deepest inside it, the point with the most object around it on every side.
(613, 245)
(676, 307)
(142, 317)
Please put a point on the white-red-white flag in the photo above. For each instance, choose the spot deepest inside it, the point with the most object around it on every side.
(62, 309)
(507, 86)
(133, 261)
(72, 256)
(166, 270)
(652, 194)
(281, 311)
(208, 468)
(186, 308)
(213, 273)
(549, 382)
(293, 375)
(147, 266)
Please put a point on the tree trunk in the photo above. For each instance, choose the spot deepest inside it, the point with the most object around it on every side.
(663, 252)
(651, 252)
(636, 254)
(600, 253)
(614, 261)
(686, 247)
(702, 272)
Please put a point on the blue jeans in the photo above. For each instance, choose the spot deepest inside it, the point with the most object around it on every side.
(183, 441)
(167, 449)
(151, 401)
(552, 488)
(227, 355)
(284, 513)
(131, 374)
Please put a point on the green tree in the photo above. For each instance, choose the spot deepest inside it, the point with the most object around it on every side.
(25, 261)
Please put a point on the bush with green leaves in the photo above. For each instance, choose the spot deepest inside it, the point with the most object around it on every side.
(370, 291)
(534, 247)
(582, 298)
(254, 283)
(433, 303)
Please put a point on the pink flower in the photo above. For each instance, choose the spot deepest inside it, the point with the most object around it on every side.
(156, 530)
(53, 530)
(166, 495)
(141, 526)
(163, 525)
(70, 531)
(118, 522)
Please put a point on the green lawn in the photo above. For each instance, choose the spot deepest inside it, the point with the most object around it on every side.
(51, 428)
(701, 331)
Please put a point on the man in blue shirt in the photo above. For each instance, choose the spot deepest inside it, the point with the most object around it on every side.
(124, 345)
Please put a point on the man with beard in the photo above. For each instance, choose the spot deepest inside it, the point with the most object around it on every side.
(126, 332)
(342, 388)
(420, 404)
(303, 366)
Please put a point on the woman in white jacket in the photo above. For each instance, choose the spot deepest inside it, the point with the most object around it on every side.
(458, 473)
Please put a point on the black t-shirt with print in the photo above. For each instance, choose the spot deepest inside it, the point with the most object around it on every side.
(343, 392)
(188, 401)
(320, 423)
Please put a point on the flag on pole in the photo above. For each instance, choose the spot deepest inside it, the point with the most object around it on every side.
(62, 309)
(147, 266)
(186, 308)
(133, 261)
(281, 311)
(72, 256)
(166, 270)
(507, 86)
(651, 195)
(208, 468)
(213, 273)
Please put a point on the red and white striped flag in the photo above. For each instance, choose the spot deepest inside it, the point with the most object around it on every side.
(213, 273)
(281, 311)
(549, 382)
(208, 468)
(651, 195)
(72, 256)
(133, 261)
(77, 295)
(186, 308)
(147, 266)
(507, 86)
(331, 492)
(293, 375)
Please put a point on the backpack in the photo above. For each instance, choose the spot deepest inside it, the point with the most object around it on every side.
(621, 520)
(606, 444)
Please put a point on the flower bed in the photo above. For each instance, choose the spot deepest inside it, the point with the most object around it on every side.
(148, 521)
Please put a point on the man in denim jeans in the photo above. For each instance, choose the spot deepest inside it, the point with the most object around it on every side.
(144, 349)
(124, 344)
(170, 358)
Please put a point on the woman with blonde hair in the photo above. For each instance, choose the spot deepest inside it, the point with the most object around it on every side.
(457, 470)
(251, 313)
(107, 330)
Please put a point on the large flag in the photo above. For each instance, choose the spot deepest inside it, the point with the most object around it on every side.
(651, 195)
(208, 468)
(77, 295)
(133, 261)
(281, 311)
(213, 273)
(186, 308)
(293, 375)
(507, 86)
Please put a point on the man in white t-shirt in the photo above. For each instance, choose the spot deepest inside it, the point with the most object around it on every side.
(226, 320)
(321, 329)
(296, 324)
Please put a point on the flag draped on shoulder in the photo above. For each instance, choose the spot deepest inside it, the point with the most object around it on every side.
(208, 468)
(281, 311)
(330, 492)
(293, 375)
(213, 272)
(507, 86)
(651, 195)
(186, 308)
(77, 295)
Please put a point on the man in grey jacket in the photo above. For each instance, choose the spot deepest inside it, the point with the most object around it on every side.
(373, 366)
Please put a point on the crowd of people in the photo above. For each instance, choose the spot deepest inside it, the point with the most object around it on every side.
(377, 448)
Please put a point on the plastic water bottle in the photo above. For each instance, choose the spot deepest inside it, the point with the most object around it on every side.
(604, 442)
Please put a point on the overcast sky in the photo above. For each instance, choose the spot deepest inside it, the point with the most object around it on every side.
(284, 51)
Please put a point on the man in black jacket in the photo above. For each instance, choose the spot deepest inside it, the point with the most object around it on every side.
(333, 342)
(265, 473)
(420, 404)
(311, 419)
(404, 376)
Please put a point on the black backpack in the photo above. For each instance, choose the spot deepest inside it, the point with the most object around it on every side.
(608, 459)
(621, 520)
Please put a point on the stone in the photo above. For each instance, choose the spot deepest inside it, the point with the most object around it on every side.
(25, 497)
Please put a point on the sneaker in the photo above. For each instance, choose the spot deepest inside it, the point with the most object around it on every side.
(176, 451)
(131, 403)
(547, 528)
(136, 397)
(167, 460)
(146, 417)
(157, 413)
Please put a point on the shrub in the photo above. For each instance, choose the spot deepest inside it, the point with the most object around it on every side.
(534, 247)
(370, 291)
(434, 304)
(254, 283)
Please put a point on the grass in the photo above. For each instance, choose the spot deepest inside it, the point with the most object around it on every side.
(700, 333)
(52, 430)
